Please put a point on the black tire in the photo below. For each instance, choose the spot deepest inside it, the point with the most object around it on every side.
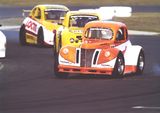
(119, 67)
(40, 38)
(54, 46)
(56, 73)
(140, 62)
(59, 41)
(22, 35)
(59, 44)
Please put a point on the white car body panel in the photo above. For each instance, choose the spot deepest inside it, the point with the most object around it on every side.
(131, 55)
(131, 52)
(2, 45)
(33, 27)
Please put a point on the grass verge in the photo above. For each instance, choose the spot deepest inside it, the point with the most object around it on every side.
(138, 21)
(142, 21)
(79, 2)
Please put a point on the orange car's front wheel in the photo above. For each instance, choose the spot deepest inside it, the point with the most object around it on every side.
(119, 67)
(56, 72)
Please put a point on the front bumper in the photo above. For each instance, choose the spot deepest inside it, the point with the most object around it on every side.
(85, 70)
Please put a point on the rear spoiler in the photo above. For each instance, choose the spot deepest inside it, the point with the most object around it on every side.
(25, 13)
(107, 13)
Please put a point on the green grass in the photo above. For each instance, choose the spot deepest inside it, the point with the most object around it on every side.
(79, 2)
(142, 21)
(138, 21)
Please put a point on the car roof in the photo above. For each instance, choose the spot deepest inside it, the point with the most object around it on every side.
(53, 6)
(105, 24)
(82, 13)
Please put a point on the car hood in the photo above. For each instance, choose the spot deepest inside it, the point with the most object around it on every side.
(96, 44)
(76, 30)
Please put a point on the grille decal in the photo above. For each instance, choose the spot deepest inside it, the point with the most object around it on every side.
(86, 57)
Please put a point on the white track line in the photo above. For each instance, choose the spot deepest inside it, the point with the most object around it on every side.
(1, 66)
(146, 107)
(131, 32)
(9, 27)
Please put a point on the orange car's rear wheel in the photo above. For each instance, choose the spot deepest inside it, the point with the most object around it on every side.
(140, 62)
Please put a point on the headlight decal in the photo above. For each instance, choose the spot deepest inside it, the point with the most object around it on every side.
(71, 40)
(107, 55)
(68, 53)
(65, 51)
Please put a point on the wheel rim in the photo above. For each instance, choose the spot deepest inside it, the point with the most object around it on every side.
(120, 65)
(141, 62)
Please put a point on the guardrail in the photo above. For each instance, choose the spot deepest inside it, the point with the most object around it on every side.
(108, 12)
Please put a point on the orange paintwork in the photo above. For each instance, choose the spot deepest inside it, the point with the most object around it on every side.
(85, 70)
(103, 45)
(113, 54)
(95, 43)
(129, 69)
(68, 53)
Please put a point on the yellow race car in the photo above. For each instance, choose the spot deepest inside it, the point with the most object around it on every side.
(38, 28)
(70, 32)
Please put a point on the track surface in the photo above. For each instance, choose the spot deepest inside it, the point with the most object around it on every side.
(27, 83)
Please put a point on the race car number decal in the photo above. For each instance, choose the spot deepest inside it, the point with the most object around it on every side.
(31, 26)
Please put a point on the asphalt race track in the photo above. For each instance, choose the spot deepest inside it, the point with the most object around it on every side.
(28, 85)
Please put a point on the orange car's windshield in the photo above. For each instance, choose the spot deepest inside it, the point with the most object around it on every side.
(81, 20)
(99, 33)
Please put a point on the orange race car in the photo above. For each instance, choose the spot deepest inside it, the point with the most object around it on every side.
(105, 50)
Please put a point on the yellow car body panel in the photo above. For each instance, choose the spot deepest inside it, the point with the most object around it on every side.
(71, 32)
(45, 17)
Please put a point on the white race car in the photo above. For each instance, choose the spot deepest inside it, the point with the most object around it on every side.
(2, 45)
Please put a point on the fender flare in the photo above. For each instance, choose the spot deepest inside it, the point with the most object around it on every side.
(131, 55)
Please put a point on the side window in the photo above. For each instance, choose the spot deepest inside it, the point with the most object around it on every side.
(120, 34)
(36, 13)
(33, 12)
